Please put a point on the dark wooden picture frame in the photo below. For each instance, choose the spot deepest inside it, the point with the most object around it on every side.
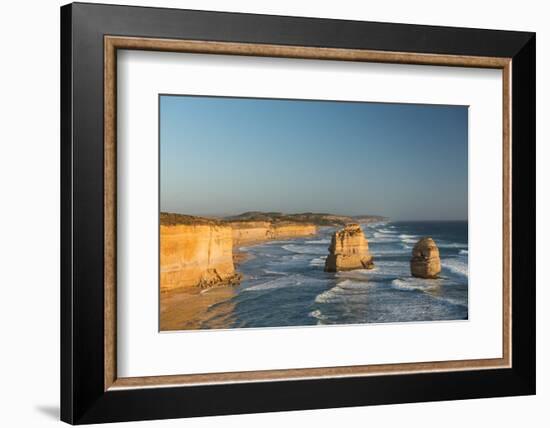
(90, 389)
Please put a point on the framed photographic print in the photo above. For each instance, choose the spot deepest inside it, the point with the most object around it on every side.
(265, 213)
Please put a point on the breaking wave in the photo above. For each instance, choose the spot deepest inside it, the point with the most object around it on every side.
(318, 261)
(273, 272)
(287, 281)
(344, 291)
(415, 283)
(305, 249)
(318, 315)
(451, 245)
(456, 265)
(319, 241)
(409, 239)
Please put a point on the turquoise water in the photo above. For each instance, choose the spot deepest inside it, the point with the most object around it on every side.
(285, 285)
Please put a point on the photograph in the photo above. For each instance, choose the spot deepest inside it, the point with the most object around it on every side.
(289, 212)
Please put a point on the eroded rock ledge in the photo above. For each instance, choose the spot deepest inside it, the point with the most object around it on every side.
(349, 249)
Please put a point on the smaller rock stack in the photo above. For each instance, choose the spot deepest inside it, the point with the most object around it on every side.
(348, 250)
(425, 261)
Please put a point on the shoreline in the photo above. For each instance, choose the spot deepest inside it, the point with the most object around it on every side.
(185, 308)
(240, 257)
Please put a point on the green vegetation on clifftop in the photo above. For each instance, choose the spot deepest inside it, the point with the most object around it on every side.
(318, 219)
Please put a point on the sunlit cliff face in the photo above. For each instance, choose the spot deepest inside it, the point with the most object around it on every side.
(201, 255)
(195, 255)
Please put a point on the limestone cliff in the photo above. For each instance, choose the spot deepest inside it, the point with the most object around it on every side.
(199, 251)
(425, 262)
(196, 255)
(249, 232)
(349, 250)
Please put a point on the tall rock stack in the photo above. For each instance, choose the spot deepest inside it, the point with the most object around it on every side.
(349, 250)
(425, 262)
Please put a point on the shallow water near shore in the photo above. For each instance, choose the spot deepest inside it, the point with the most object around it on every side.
(285, 285)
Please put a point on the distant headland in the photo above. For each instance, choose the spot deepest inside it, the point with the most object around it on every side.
(318, 219)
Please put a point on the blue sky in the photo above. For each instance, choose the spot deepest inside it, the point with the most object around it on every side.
(230, 155)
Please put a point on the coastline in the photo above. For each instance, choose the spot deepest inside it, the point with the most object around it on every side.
(288, 274)
(185, 308)
(240, 256)
(201, 259)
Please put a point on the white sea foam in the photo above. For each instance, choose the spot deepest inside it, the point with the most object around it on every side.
(415, 283)
(381, 234)
(305, 249)
(345, 290)
(379, 237)
(405, 236)
(286, 281)
(262, 245)
(463, 252)
(382, 269)
(451, 245)
(283, 282)
(428, 286)
(391, 251)
(272, 272)
(324, 297)
(319, 241)
(318, 261)
(456, 265)
(318, 315)
(348, 285)
(376, 224)
(274, 243)
(408, 239)
(381, 240)
(390, 266)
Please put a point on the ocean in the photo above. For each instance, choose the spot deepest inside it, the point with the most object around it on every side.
(285, 285)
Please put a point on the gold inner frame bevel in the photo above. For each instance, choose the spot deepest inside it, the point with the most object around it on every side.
(113, 43)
